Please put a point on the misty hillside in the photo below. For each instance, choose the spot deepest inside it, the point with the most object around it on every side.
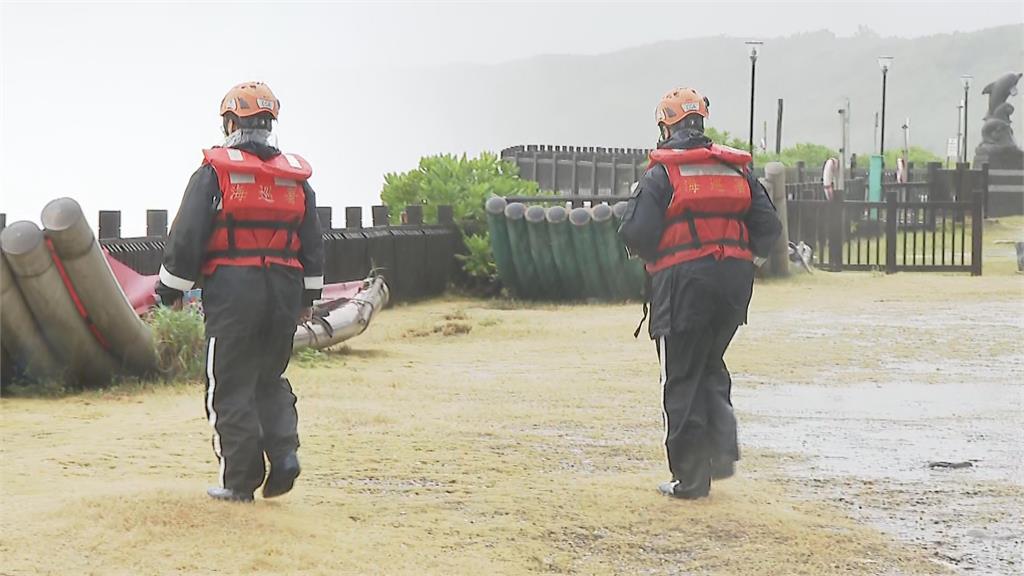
(608, 100)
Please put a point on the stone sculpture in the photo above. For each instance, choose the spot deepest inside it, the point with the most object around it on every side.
(998, 147)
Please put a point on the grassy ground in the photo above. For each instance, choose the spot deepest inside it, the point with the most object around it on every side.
(458, 437)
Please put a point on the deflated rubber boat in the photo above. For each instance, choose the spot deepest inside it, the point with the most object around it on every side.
(71, 311)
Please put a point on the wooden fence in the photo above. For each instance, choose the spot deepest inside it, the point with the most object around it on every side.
(417, 259)
(902, 233)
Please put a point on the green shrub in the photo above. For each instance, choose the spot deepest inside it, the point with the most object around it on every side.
(458, 181)
(180, 342)
(464, 184)
(478, 263)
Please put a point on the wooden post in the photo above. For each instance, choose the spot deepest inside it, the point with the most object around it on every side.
(414, 214)
(554, 171)
(380, 216)
(977, 226)
(575, 168)
(984, 187)
(775, 180)
(890, 232)
(110, 224)
(962, 193)
(156, 223)
(326, 215)
(837, 231)
(354, 217)
(445, 215)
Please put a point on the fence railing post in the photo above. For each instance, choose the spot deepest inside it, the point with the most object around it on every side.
(837, 230)
(353, 217)
(890, 232)
(380, 216)
(326, 215)
(445, 215)
(156, 223)
(110, 224)
(984, 187)
(414, 214)
(977, 229)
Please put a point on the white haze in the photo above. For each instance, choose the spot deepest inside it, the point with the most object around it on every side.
(112, 103)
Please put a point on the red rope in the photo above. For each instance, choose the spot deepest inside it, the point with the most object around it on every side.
(74, 297)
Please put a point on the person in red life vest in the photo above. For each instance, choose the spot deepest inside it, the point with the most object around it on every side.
(698, 219)
(247, 232)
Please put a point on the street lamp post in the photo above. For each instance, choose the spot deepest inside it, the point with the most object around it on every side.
(884, 62)
(966, 81)
(959, 132)
(754, 45)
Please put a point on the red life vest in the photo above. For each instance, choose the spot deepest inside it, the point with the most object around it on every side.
(710, 197)
(262, 206)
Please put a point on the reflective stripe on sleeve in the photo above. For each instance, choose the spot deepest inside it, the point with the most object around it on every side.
(176, 282)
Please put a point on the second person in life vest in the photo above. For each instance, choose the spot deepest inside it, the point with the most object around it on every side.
(247, 232)
(698, 219)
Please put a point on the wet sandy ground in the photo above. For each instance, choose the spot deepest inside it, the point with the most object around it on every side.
(922, 386)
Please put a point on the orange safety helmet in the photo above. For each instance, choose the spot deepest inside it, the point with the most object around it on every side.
(679, 104)
(250, 99)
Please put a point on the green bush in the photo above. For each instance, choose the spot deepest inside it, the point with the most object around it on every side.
(464, 184)
(180, 342)
(478, 263)
(458, 181)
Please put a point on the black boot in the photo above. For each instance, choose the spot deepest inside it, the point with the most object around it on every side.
(722, 469)
(228, 495)
(282, 476)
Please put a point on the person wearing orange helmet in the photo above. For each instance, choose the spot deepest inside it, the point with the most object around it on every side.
(698, 218)
(247, 232)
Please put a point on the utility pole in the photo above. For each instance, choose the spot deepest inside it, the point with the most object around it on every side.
(906, 139)
(778, 131)
(844, 117)
(966, 81)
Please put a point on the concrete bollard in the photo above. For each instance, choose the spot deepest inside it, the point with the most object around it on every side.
(775, 183)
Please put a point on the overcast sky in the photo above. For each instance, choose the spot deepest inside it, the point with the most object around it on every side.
(112, 103)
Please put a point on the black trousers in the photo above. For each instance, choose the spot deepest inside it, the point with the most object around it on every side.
(700, 426)
(249, 404)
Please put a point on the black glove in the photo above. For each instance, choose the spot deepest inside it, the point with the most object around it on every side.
(166, 295)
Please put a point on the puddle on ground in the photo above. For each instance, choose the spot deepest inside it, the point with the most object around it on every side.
(869, 446)
(925, 385)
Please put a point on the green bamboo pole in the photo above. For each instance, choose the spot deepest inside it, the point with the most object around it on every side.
(540, 251)
(500, 245)
(519, 241)
(583, 243)
(560, 232)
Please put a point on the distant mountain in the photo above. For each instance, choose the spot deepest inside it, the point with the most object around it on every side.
(608, 99)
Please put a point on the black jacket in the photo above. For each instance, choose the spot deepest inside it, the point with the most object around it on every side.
(239, 299)
(691, 294)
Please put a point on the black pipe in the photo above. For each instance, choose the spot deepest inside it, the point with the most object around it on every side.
(753, 72)
(881, 145)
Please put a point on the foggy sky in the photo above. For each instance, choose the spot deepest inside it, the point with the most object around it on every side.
(112, 103)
